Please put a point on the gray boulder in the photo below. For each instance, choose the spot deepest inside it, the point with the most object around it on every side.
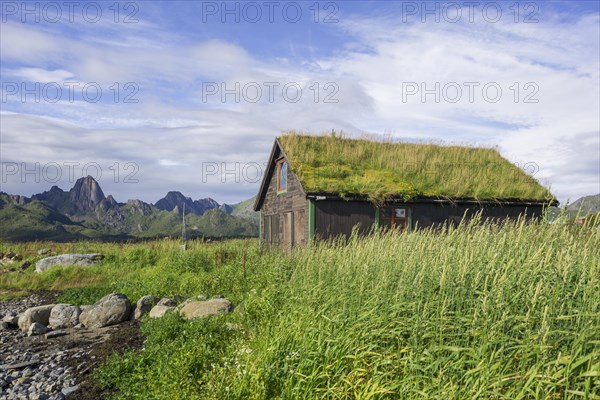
(159, 311)
(40, 314)
(199, 309)
(64, 316)
(81, 260)
(144, 305)
(109, 310)
(37, 329)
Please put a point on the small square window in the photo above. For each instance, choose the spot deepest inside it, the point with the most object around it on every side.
(394, 218)
(282, 177)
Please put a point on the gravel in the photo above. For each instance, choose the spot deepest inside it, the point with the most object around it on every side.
(56, 365)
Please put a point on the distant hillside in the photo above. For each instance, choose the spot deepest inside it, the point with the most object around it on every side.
(34, 221)
(583, 207)
(586, 205)
(84, 212)
(245, 210)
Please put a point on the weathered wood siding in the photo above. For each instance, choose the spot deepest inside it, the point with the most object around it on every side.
(337, 217)
(425, 215)
(285, 216)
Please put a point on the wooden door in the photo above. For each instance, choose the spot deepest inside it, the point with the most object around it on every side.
(287, 237)
(300, 227)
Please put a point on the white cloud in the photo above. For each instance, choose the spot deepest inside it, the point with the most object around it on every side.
(40, 75)
(172, 132)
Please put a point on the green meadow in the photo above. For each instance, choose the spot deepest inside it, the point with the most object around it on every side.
(480, 311)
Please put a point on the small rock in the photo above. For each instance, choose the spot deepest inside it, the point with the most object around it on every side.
(159, 311)
(55, 334)
(68, 390)
(144, 305)
(20, 381)
(25, 265)
(42, 252)
(167, 302)
(198, 309)
(40, 314)
(37, 329)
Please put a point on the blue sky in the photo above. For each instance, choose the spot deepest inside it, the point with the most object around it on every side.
(152, 96)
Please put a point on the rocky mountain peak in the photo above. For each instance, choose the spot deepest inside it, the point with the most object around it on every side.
(139, 207)
(208, 203)
(174, 201)
(111, 200)
(86, 195)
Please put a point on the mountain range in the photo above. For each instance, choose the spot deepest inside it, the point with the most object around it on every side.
(84, 212)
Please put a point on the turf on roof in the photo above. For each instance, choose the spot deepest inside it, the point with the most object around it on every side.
(382, 170)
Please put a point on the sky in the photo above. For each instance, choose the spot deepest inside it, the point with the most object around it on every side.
(151, 96)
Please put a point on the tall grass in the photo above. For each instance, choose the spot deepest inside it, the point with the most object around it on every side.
(383, 169)
(508, 311)
(477, 312)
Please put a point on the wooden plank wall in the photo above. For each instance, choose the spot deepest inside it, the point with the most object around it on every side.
(336, 217)
(275, 210)
(425, 215)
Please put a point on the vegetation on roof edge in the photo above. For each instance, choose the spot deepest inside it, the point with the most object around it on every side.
(386, 169)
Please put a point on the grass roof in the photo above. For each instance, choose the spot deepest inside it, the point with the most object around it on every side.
(380, 170)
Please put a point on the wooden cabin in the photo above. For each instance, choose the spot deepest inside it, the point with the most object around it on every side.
(320, 187)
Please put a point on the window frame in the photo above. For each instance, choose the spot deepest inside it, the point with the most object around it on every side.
(280, 163)
(407, 219)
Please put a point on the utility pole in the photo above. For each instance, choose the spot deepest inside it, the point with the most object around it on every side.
(183, 238)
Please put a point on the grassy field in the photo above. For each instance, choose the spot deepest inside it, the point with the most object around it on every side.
(481, 311)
